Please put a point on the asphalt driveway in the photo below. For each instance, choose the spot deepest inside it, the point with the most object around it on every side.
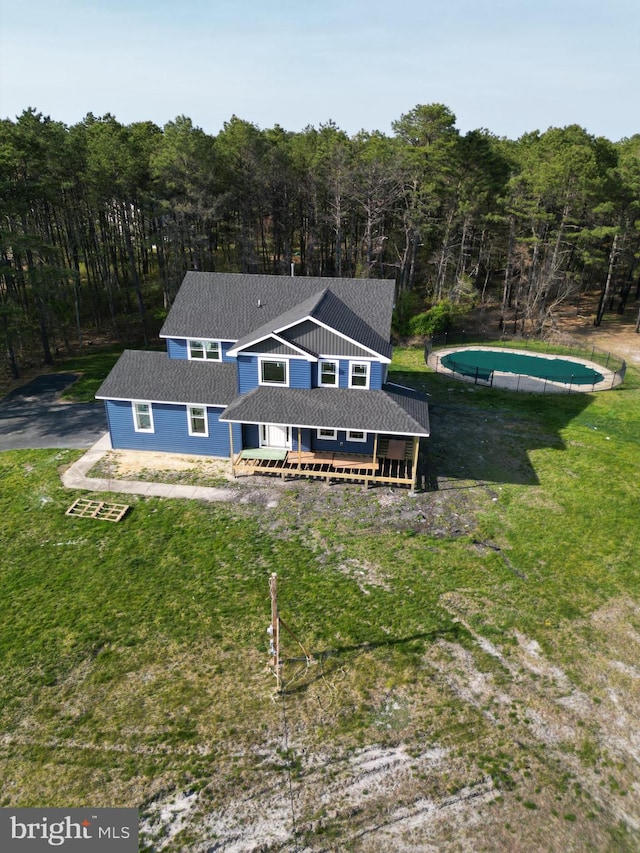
(32, 417)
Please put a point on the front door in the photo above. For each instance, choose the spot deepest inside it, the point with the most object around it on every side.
(273, 435)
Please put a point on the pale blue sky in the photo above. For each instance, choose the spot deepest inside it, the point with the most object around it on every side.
(506, 65)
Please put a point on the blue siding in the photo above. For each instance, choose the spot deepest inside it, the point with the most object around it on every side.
(226, 346)
(343, 374)
(376, 376)
(305, 439)
(171, 431)
(342, 445)
(299, 373)
(177, 348)
(376, 372)
(247, 373)
(305, 435)
(251, 437)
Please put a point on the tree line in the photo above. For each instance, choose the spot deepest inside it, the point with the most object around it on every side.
(101, 220)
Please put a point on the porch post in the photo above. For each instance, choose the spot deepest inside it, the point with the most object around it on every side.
(375, 458)
(233, 467)
(299, 448)
(416, 452)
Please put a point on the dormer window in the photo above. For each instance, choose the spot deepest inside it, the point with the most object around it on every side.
(273, 372)
(359, 374)
(205, 350)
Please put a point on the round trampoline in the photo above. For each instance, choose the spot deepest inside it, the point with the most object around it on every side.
(522, 371)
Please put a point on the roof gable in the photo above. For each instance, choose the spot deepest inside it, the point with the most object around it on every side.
(325, 312)
(275, 345)
(322, 341)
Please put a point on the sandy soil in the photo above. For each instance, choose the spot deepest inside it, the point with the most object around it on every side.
(415, 797)
(132, 464)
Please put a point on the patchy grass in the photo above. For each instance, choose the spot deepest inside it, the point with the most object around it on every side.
(474, 667)
(92, 369)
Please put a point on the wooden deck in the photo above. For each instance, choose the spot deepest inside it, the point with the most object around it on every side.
(393, 465)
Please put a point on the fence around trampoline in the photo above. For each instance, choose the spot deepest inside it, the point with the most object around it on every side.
(523, 382)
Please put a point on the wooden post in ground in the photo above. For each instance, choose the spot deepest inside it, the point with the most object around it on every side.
(274, 632)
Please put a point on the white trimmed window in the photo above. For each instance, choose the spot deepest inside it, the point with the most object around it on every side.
(359, 374)
(273, 372)
(142, 417)
(327, 434)
(205, 350)
(328, 374)
(197, 420)
(356, 435)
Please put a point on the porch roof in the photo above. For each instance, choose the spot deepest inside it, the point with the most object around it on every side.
(393, 410)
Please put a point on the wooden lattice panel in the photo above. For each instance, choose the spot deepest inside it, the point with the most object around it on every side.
(85, 508)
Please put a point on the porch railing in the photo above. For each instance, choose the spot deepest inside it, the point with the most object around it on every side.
(388, 466)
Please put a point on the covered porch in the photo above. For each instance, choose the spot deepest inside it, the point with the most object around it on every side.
(393, 461)
(354, 435)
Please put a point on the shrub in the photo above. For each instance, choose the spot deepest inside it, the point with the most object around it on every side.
(434, 321)
(407, 304)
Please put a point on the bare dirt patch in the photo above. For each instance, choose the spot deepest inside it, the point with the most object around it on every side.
(616, 333)
(162, 467)
(540, 754)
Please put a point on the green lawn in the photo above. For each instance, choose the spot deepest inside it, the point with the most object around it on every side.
(133, 654)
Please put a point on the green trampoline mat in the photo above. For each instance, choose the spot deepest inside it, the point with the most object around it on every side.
(482, 363)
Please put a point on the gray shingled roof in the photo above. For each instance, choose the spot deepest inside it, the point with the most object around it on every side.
(392, 410)
(332, 312)
(153, 376)
(319, 341)
(230, 306)
(329, 310)
(295, 314)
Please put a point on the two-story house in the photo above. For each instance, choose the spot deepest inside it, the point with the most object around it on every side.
(278, 374)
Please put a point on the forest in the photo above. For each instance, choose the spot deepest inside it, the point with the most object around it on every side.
(101, 220)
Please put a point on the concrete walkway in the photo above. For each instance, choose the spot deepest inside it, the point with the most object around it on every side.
(75, 477)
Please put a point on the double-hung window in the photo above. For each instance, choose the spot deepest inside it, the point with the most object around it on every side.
(327, 434)
(273, 372)
(359, 374)
(197, 419)
(328, 374)
(205, 350)
(142, 417)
